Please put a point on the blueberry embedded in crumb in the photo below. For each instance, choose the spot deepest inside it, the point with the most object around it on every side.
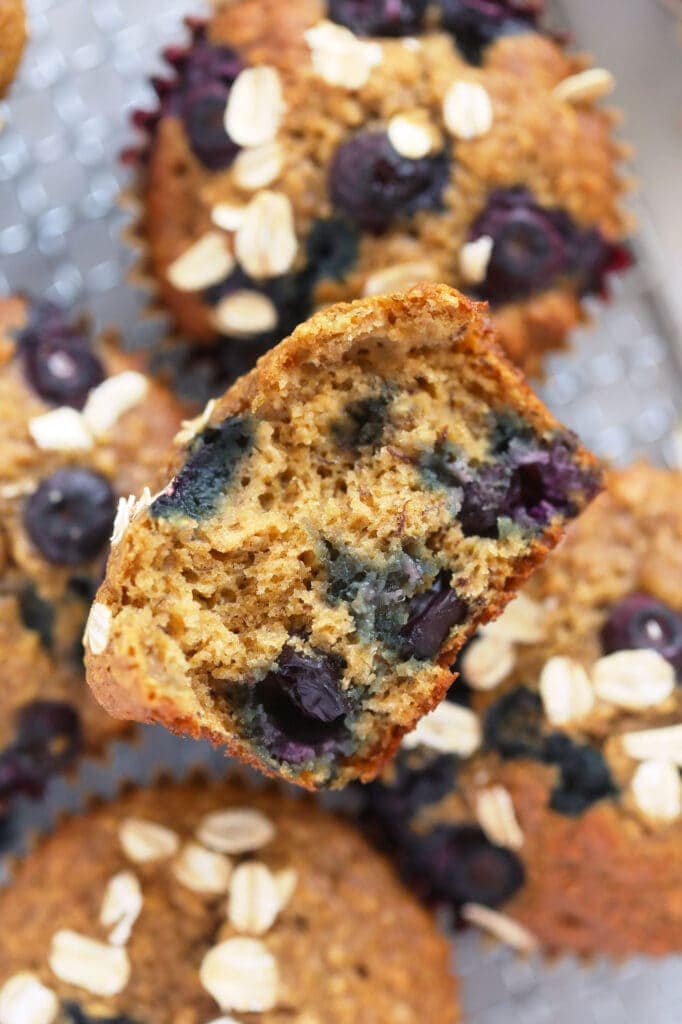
(373, 185)
(513, 725)
(48, 740)
(364, 421)
(379, 17)
(641, 621)
(75, 1015)
(70, 515)
(331, 248)
(56, 357)
(214, 457)
(477, 23)
(431, 616)
(458, 864)
(37, 614)
(203, 112)
(585, 775)
(299, 711)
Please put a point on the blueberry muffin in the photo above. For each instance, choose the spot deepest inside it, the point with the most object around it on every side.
(12, 39)
(336, 526)
(191, 902)
(312, 152)
(80, 428)
(550, 793)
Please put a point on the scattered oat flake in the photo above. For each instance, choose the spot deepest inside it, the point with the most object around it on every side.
(254, 901)
(449, 728)
(502, 927)
(286, 881)
(633, 679)
(400, 276)
(663, 744)
(266, 243)
(339, 57)
(227, 216)
(94, 966)
(241, 974)
(656, 788)
(467, 110)
(259, 166)
(144, 841)
(244, 313)
(413, 135)
(97, 628)
(121, 907)
(61, 430)
(487, 661)
(128, 510)
(208, 261)
(497, 817)
(25, 1000)
(255, 106)
(585, 86)
(238, 830)
(18, 489)
(474, 258)
(202, 870)
(521, 622)
(566, 690)
(111, 399)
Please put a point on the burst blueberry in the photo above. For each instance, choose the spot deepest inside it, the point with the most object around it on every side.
(48, 740)
(56, 357)
(70, 515)
(513, 725)
(374, 185)
(585, 775)
(364, 422)
(331, 248)
(431, 616)
(641, 621)
(379, 17)
(477, 23)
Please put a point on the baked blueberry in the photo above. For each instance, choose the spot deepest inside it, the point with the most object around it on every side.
(513, 725)
(48, 739)
(76, 1015)
(69, 516)
(56, 357)
(203, 112)
(332, 247)
(458, 864)
(413, 781)
(364, 421)
(373, 185)
(640, 621)
(476, 23)
(37, 614)
(431, 616)
(379, 17)
(213, 459)
(585, 775)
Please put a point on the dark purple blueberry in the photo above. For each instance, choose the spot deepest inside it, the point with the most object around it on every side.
(37, 614)
(412, 781)
(373, 185)
(585, 775)
(364, 423)
(432, 615)
(69, 517)
(476, 23)
(534, 246)
(513, 725)
(299, 709)
(56, 357)
(75, 1015)
(457, 864)
(203, 112)
(379, 17)
(48, 740)
(211, 464)
(289, 293)
(331, 248)
(640, 621)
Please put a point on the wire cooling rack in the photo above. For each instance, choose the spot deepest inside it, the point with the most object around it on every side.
(60, 235)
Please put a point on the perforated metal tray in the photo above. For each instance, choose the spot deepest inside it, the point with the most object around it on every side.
(66, 120)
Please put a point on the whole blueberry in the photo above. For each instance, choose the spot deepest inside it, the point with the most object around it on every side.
(331, 248)
(585, 775)
(476, 23)
(56, 357)
(203, 112)
(379, 17)
(458, 864)
(373, 185)
(432, 614)
(37, 614)
(412, 781)
(48, 739)
(641, 621)
(513, 725)
(69, 517)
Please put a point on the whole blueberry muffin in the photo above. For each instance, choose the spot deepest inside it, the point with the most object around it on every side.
(550, 791)
(81, 427)
(12, 39)
(336, 526)
(191, 902)
(309, 152)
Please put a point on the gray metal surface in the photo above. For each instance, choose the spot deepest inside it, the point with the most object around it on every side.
(66, 120)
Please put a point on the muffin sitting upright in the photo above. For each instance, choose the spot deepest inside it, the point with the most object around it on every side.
(569, 816)
(310, 152)
(336, 527)
(190, 902)
(81, 427)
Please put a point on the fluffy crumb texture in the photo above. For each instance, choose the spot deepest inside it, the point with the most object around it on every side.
(301, 936)
(339, 524)
(322, 150)
(12, 39)
(82, 427)
(568, 816)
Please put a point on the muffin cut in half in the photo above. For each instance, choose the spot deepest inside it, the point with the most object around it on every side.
(337, 525)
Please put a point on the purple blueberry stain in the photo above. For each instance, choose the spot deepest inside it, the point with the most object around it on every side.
(535, 246)
(640, 621)
(56, 356)
(364, 421)
(379, 17)
(70, 515)
(477, 23)
(48, 740)
(373, 185)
